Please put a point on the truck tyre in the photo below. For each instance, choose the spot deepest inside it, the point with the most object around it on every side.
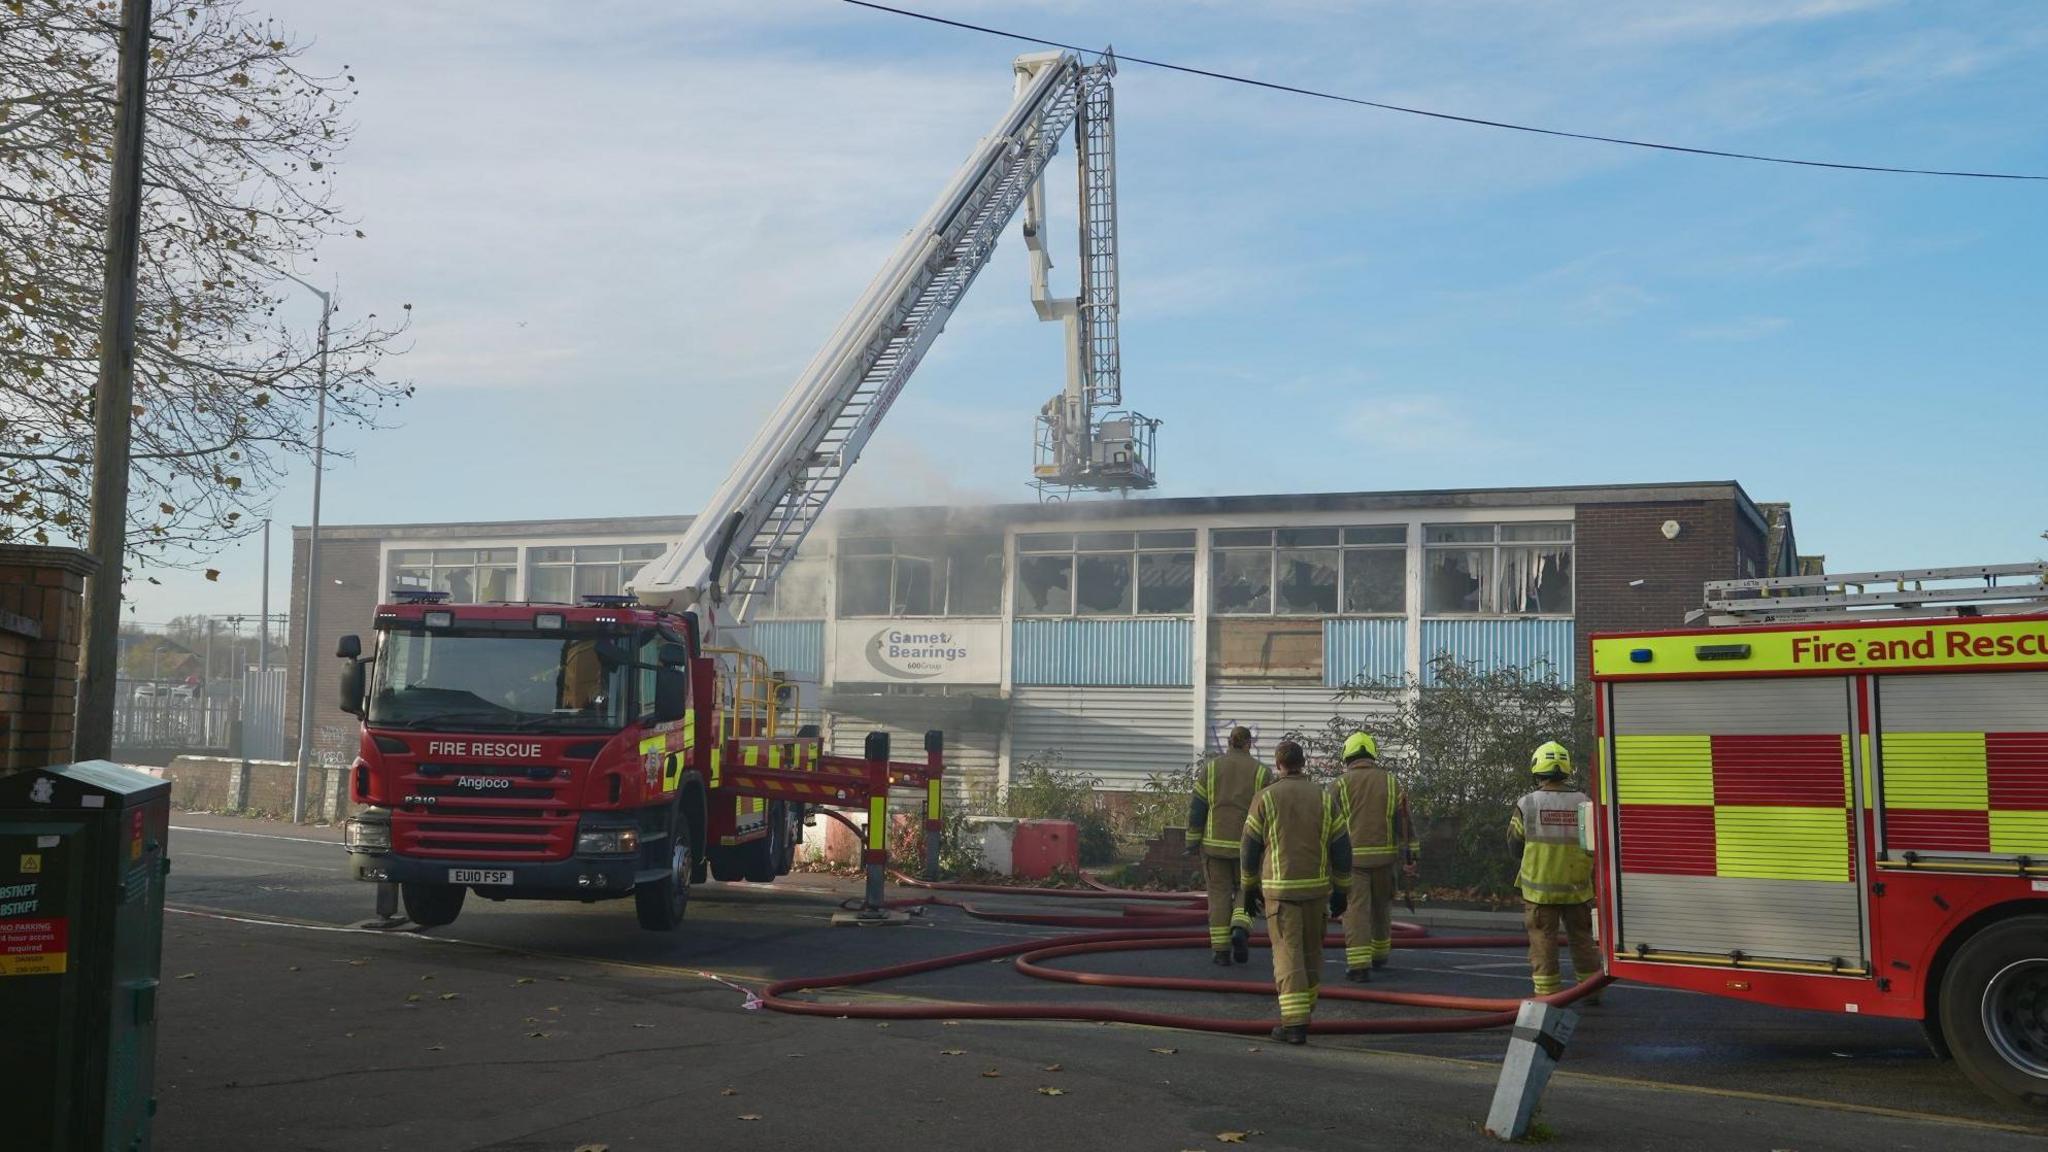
(792, 825)
(432, 905)
(1994, 1010)
(763, 856)
(660, 905)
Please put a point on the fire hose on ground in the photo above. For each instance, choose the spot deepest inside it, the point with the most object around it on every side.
(1142, 927)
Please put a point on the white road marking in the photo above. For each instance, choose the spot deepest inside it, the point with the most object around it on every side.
(241, 860)
(256, 835)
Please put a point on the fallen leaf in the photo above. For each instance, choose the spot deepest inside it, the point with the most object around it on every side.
(1052, 1091)
(424, 979)
(437, 1047)
(293, 968)
(522, 980)
(1232, 1137)
(883, 1025)
(579, 1147)
(991, 1074)
(1255, 1048)
(359, 963)
(187, 975)
(563, 979)
(952, 1051)
(554, 1007)
(1054, 1068)
(536, 1035)
(411, 996)
(643, 1025)
(728, 1091)
(1165, 1051)
(950, 1023)
(533, 1020)
(750, 1115)
(451, 995)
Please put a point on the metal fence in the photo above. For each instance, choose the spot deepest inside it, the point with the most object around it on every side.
(248, 715)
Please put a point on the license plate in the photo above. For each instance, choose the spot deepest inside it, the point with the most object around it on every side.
(479, 876)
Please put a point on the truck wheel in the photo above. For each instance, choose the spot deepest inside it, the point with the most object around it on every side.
(792, 832)
(763, 855)
(432, 905)
(661, 905)
(1994, 1010)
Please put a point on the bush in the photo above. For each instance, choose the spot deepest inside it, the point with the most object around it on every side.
(1040, 789)
(1461, 746)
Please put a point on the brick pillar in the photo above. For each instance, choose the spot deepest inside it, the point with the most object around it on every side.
(42, 613)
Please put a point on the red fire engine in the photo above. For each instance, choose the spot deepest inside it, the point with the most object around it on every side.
(631, 744)
(1836, 798)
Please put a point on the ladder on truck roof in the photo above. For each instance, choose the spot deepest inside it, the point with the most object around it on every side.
(1972, 590)
(780, 486)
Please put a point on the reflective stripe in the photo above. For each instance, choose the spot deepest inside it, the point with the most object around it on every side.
(931, 800)
(1555, 870)
(878, 823)
(1358, 957)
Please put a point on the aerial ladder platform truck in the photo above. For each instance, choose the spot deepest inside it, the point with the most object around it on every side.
(1831, 793)
(631, 745)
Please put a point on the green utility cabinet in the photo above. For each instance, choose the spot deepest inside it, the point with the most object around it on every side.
(82, 868)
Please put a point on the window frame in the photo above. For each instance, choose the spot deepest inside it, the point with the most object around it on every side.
(1132, 547)
(1495, 551)
(938, 555)
(1308, 540)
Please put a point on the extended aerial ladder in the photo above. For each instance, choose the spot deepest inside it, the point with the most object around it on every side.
(779, 488)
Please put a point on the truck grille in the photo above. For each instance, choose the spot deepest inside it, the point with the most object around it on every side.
(528, 818)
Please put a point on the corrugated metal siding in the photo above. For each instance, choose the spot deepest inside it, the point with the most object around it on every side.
(971, 757)
(1117, 735)
(793, 646)
(1274, 711)
(1965, 702)
(1376, 649)
(1776, 919)
(1497, 644)
(1103, 653)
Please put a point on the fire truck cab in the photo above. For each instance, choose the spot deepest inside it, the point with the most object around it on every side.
(1845, 814)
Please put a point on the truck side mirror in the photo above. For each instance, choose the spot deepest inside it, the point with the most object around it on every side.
(672, 655)
(354, 677)
(671, 695)
(349, 647)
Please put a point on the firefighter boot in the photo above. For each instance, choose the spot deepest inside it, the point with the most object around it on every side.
(1220, 958)
(1290, 1033)
(1358, 975)
(1240, 944)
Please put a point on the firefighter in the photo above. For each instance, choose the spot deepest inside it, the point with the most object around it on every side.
(1297, 866)
(1223, 792)
(1375, 809)
(1557, 875)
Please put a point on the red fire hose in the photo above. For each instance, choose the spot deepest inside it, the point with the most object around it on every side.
(1142, 929)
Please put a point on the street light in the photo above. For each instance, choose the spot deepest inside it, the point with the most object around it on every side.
(312, 559)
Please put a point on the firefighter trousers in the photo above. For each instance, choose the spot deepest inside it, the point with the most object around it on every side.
(1369, 921)
(1296, 930)
(1543, 922)
(1226, 910)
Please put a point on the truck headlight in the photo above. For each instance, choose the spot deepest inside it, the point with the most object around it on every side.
(367, 833)
(607, 841)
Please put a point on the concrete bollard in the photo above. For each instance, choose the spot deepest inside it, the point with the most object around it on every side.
(1534, 1049)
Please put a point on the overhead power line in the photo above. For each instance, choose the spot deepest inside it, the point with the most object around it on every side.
(1450, 116)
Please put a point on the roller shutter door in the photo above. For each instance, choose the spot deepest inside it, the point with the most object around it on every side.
(1734, 820)
(1963, 765)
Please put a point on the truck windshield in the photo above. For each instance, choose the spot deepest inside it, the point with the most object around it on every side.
(491, 681)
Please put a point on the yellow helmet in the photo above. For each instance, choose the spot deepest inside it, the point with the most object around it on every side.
(1552, 761)
(1361, 746)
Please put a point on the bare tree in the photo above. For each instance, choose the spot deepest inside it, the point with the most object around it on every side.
(237, 186)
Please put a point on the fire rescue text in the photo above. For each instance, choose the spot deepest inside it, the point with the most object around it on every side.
(1951, 644)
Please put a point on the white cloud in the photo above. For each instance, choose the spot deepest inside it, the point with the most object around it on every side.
(1413, 425)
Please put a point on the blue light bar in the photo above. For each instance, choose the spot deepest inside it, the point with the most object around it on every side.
(1639, 655)
(417, 596)
(606, 600)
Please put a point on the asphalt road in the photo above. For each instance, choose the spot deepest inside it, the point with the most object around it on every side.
(290, 1033)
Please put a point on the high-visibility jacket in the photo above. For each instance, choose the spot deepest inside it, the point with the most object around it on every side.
(1224, 788)
(1295, 841)
(1555, 870)
(1376, 813)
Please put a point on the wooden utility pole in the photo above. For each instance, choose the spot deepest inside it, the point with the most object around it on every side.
(113, 398)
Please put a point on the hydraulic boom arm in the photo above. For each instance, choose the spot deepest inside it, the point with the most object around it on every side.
(779, 487)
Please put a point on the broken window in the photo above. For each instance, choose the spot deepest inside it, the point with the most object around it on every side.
(974, 576)
(1166, 582)
(1375, 581)
(1045, 585)
(1241, 582)
(1102, 584)
(1305, 581)
(1498, 569)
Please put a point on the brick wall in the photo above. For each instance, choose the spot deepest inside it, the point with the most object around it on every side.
(345, 607)
(42, 613)
(1622, 543)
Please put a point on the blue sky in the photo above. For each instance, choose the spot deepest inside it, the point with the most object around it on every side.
(624, 227)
